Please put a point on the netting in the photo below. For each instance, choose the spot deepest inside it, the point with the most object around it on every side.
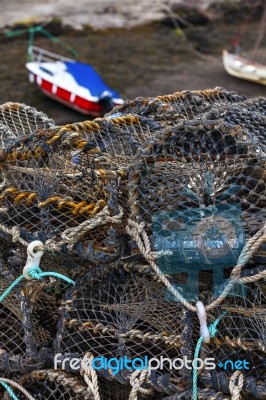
(53, 385)
(199, 192)
(114, 314)
(28, 325)
(240, 339)
(57, 193)
(17, 120)
(154, 208)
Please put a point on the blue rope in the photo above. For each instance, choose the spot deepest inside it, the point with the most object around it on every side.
(8, 290)
(35, 273)
(212, 330)
(9, 390)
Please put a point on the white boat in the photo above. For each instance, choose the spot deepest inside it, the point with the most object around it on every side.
(247, 68)
(243, 68)
(70, 82)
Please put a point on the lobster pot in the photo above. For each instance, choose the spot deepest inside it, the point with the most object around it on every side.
(155, 207)
(18, 120)
(199, 195)
(11, 330)
(170, 109)
(66, 186)
(58, 187)
(57, 384)
(52, 385)
(29, 317)
(112, 313)
(239, 343)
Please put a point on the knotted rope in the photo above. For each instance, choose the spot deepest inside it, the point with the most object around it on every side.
(71, 235)
(90, 376)
(236, 384)
(35, 273)
(212, 330)
(137, 232)
(137, 378)
(15, 234)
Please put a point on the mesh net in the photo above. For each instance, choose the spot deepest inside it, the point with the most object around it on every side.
(200, 192)
(58, 187)
(117, 314)
(28, 325)
(156, 206)
(241, 337)
(53, 385)
(17, 120)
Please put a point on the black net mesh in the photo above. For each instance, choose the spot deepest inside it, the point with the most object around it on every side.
(240, 339)
(29, 316)
(17, 120)
(115, 313)
(53, 385)
(156, 206)
(200, 191)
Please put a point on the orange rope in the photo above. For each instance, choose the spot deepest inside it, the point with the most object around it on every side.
(77, 208)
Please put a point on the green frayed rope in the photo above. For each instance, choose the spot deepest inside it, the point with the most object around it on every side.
(35, 273)
(32, 31)
(9, 390)
(212, 330)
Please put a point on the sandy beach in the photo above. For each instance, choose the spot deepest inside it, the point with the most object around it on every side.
(136, 51)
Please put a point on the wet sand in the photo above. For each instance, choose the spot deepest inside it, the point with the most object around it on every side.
(143, 61)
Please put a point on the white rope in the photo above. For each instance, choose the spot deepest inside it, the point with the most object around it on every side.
(90, 375)
(17, 386)
(71, 235)
(137, 232)
(15, 233)
(137, 378)
(236, 384)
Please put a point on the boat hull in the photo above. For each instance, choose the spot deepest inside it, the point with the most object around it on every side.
(67, 98)
(244, 69)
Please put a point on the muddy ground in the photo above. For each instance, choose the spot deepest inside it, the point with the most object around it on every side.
(142, 61)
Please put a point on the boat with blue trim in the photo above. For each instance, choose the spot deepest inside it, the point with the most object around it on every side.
(75, 84)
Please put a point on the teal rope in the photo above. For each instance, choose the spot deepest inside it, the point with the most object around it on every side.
(9, 390)
(30, 42)
(8, 290)
(56, 40)
(40, 29)
(35, 273)
(212, 330)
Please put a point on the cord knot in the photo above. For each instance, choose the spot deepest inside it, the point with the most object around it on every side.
(236, 384)
(35, 273)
